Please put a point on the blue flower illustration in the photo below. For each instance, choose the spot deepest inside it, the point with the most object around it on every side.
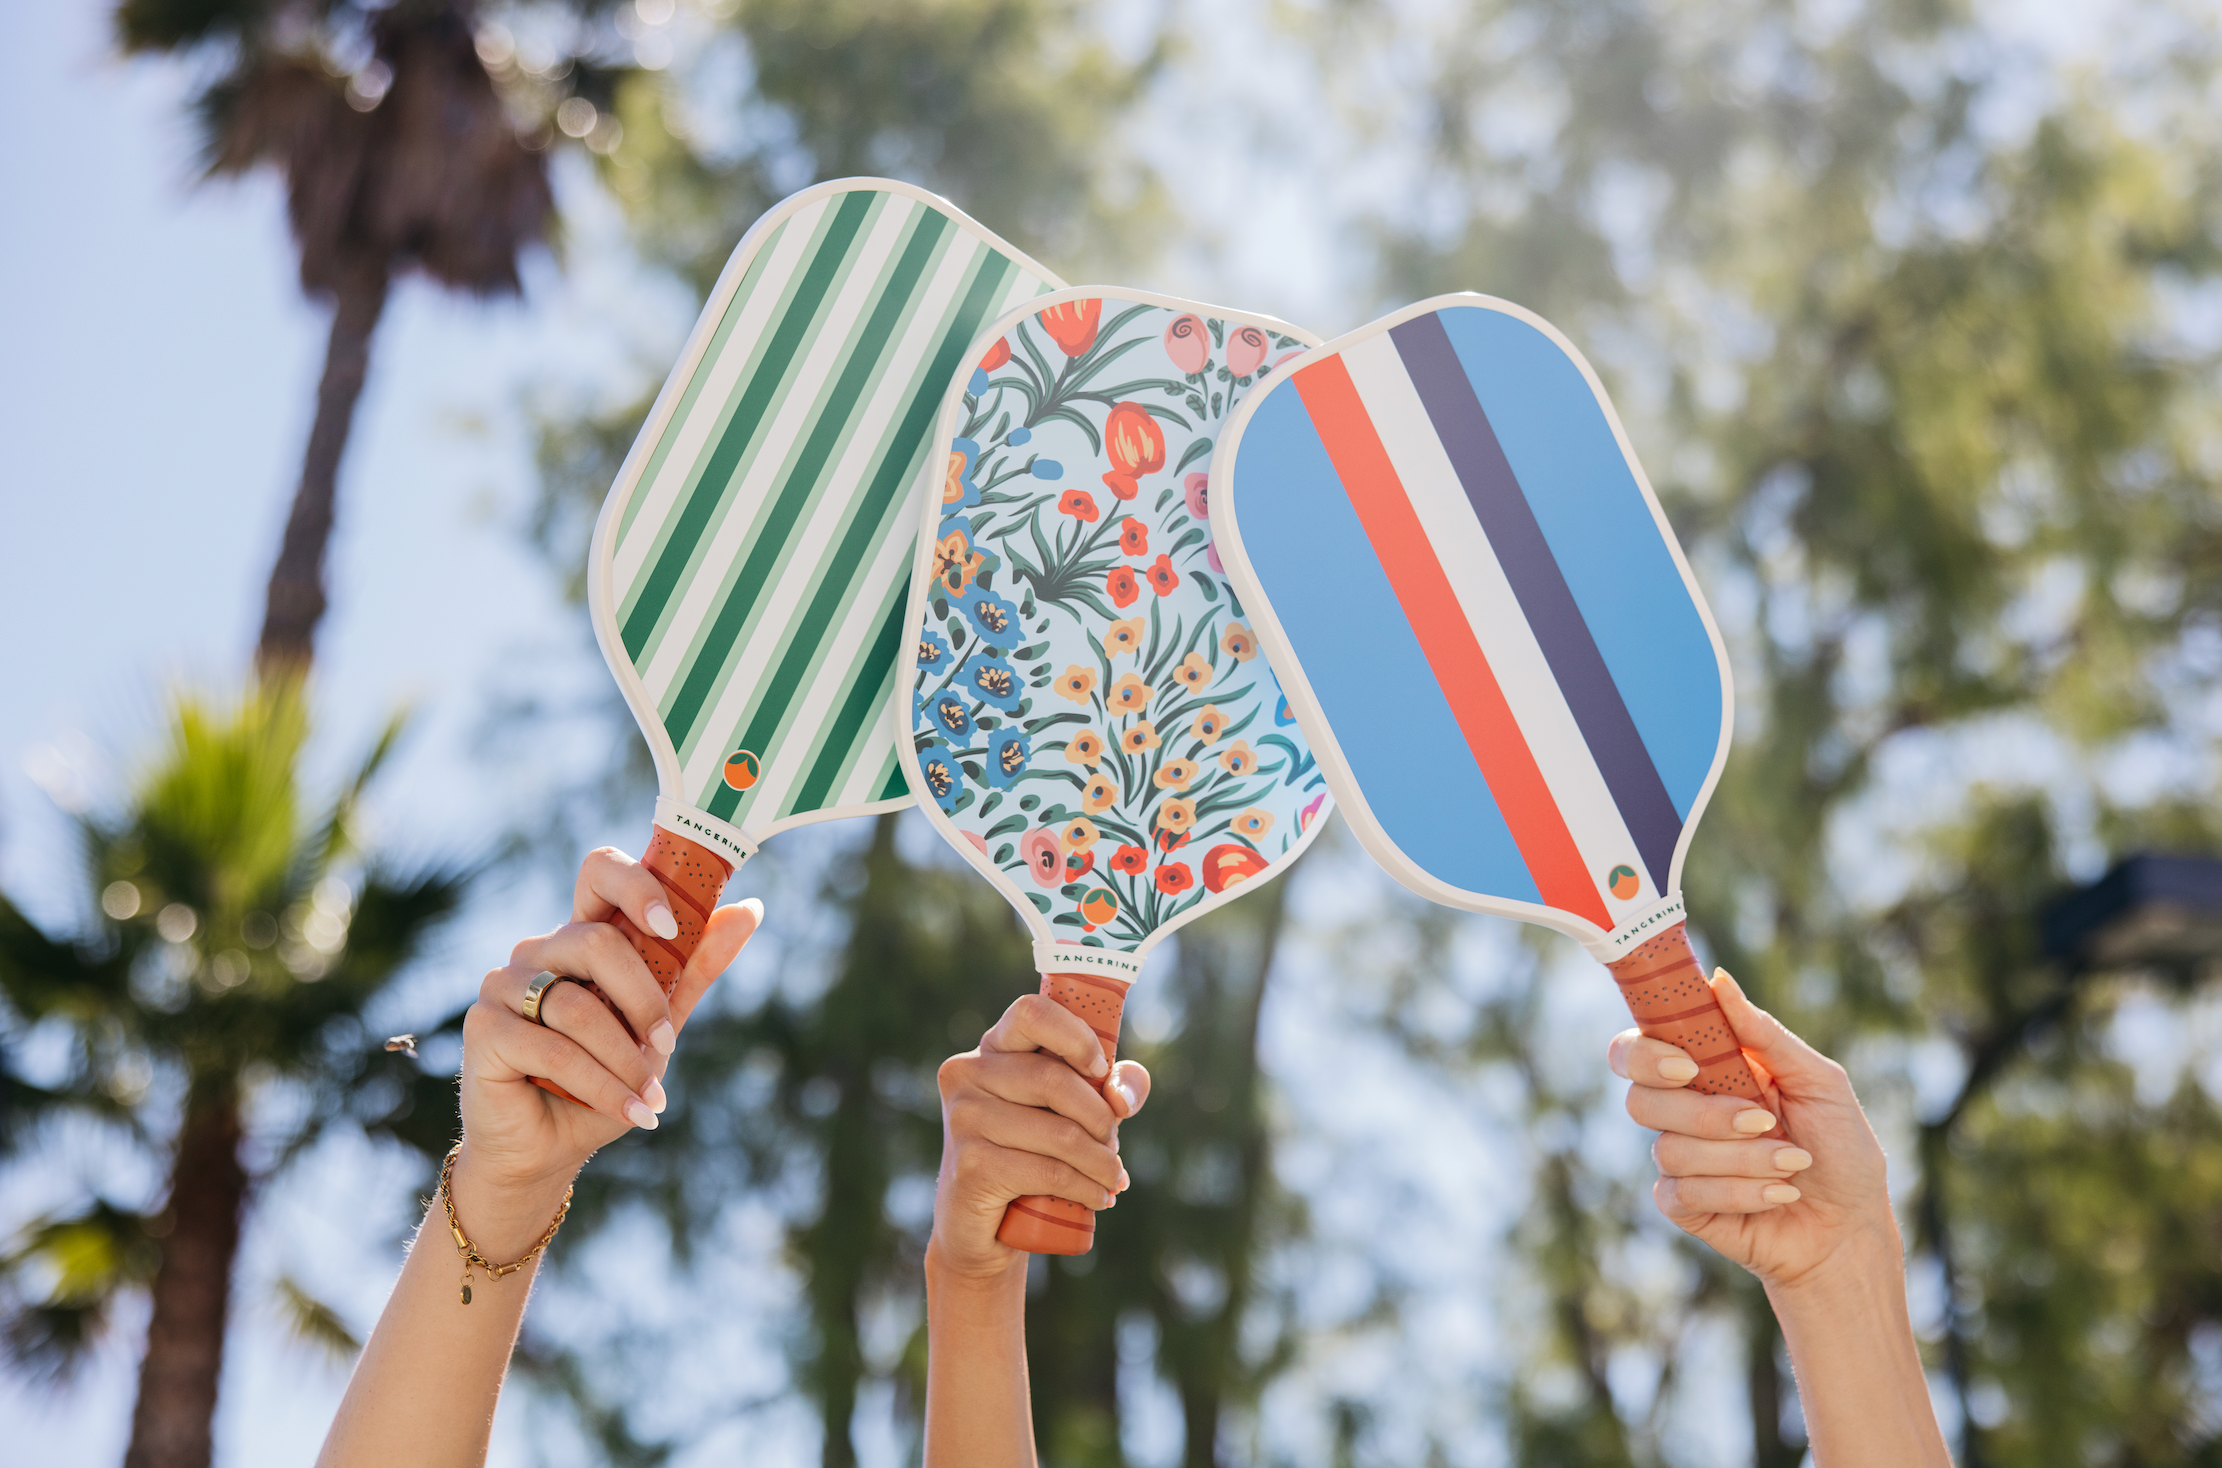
(978, 383)
(933, 650)
(949, 711)
(994, 618)
(958, 488)
(992, 680)
(1019, 437)
(1047, 469)
(943, 777)
(1008, 751)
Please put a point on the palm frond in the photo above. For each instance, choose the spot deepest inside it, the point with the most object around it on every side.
(74, 1265)
(312, 1322)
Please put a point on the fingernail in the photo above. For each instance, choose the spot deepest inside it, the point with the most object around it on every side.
(1114, 1139)
(653, 1094)
(664, 1037)
(639, 1115)
(1793, 1159)
(755, 905)
(661, 922)
(1097, 1065)
(1126, 1092)
(1779, 1193)
(1753, 1122)
(1125, 1182)
(1110, 1200)
(1678, 1068)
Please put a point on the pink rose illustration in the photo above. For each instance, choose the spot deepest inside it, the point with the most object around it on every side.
(1188, 344)
(1245, 350)
(1044, 857)
(1197, 487)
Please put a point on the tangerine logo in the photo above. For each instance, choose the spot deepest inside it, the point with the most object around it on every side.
(1620, 881)
(741, 769)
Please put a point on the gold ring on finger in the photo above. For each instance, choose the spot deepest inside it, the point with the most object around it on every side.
(537, 991)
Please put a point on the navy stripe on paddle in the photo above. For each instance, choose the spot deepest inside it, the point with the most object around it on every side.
(1507, 519)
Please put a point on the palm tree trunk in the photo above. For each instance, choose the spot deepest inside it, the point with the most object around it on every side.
(171, 1427)
(296, 598)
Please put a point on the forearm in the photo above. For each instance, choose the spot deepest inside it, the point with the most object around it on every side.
(977, 1407)
(424, 1389)
(1860, 1382)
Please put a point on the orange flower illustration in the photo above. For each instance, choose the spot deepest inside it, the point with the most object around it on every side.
(997, 354)
(1239, 644)
(1076, 682)
(956, 563)
(1163, 578)
(1135, 446)
(1122, 586)
(1209, 724)
(952, 479)
(1084, 748)
(1130, 695)
(1253, 823)
(1175, 775)
(1194, 672)
(1080, 833)
(1125, 636)
(1238, 758)
(1134, 536)
(1176, 815)
(1072, 325)
(1100, 793)
(1139, 739)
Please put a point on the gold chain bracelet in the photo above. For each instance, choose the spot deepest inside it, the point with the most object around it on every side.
(469, 1250)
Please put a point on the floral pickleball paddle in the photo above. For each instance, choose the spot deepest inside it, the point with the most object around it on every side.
(1090, 722)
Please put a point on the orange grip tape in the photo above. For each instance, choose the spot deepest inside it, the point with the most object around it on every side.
(1042, 1225)
(1667, 992)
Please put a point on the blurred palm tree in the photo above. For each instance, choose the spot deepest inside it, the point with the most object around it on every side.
(398, 154)
(231, 960)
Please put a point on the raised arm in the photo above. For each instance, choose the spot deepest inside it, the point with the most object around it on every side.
(1794, 1191)
(1016, 1119)
(423, 1392)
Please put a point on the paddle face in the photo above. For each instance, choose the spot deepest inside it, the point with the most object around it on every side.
(1482, 618)
(1089, 720)
(748, 568)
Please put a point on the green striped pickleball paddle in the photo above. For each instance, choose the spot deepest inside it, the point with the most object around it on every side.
(748, 573)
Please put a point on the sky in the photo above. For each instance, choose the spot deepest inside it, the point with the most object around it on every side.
(155, 384)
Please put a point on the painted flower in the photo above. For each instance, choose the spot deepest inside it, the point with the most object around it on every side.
(1072, 324)
(1253, 823)
(1044, 858)
(1122, 586)
(1309, 813)
(1125, 636)
(1100, 793)
(1196, 489)
(1141, 738)
(943, 777)
(956, 564)
(1079, 834)
(1048, 469)
(949, 711)
(1077, 503)
(1008, 752)
(994, 618)
(1175, 775)
(1209, 724)
(1176, 815)
(1239, 644)
(1076, 683)
(1194, 673)
(1231, 866)
(1078, 864)
(1134, 444)
(1281, 715)
(1130, 859)
(1084, 748)
(957, 487)
(991, 680)
(1188, 344)
(997, 354)
(1134, 538)
(1163, 578)
(1245, 350)
(1238, 758)
(933, 650)
(977, 841)
(1174, 877)
(1100, 904)
(1130, 695)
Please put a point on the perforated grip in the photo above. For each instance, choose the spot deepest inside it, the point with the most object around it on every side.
(1667, 993)
(1042, 1225)
(694, 876)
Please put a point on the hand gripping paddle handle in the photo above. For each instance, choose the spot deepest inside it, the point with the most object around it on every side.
(1667, 992)
(693, 877)
(1039, 1225)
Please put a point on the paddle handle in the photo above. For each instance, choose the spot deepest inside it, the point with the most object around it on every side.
(1667, 992)
(1040, 1225)
(694, 877)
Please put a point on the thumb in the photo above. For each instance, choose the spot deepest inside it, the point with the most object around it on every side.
(1789, 1060)
(728, 929)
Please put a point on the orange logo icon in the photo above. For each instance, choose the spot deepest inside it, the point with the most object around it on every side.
(741, 769)
(1620, 881)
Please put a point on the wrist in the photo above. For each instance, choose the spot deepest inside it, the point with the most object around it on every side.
(958, 1282)
(1866, 1270)
(504, 1211)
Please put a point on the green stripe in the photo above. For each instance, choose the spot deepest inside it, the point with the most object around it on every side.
(897, 786)
(865, 701)
(874, 340)
(855, 546)
(793, 331)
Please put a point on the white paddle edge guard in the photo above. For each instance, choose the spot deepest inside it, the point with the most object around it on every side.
(704, 829)
(1123, 963)
(601, 600)
(1304, 704)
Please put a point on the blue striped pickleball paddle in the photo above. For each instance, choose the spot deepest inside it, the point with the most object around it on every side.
(1489, 635)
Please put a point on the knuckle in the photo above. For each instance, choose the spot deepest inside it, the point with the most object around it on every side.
(517, 955)
(489, 988)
